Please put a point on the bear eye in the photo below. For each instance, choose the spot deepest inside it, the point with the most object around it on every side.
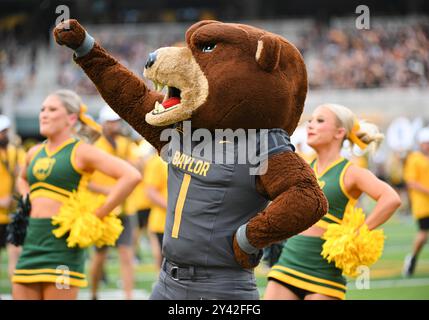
(208, 47)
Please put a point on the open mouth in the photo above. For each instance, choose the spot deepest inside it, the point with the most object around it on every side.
(171, 100)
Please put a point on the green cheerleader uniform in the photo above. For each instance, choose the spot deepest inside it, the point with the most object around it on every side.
(301, 264)
(44, 257)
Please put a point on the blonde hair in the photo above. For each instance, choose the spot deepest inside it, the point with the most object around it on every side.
(74, 105)
(365, 134)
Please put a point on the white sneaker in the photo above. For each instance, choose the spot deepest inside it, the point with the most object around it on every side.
(409, 266)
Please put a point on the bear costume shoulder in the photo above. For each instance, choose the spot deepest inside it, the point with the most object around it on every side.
(229, 76)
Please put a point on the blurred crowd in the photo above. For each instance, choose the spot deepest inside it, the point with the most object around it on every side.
(18, 65)
(130, 51)
(336, 57)
(378, 57)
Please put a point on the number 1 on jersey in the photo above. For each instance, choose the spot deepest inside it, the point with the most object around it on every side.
(179, 205)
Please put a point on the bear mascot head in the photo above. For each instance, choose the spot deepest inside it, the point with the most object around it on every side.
(228, 76)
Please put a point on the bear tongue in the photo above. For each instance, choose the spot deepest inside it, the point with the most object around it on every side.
(171, 102)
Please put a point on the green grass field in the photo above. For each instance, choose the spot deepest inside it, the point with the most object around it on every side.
(386, 281)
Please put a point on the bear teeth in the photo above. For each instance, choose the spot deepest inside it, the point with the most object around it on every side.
(158, 86)
(158, 108)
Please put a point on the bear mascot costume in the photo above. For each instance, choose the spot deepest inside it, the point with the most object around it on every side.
(220, 215)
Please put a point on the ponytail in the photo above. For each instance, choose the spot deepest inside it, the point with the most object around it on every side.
(364, 134)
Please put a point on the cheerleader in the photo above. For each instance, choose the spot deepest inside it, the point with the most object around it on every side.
(302, 272)
(47, 267)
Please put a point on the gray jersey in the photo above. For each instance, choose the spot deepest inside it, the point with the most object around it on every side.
(208, 202)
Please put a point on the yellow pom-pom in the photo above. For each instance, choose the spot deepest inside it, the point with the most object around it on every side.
(351, 244)
(111, 232)
(76, 216)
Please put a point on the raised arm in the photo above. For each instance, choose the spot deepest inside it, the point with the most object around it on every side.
(123, 91)
(297, 204)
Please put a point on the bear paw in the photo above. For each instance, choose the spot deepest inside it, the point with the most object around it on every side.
(69, 33)
(247, 261)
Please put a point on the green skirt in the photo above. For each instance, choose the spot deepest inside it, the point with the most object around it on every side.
(301, 265)
(45, 258)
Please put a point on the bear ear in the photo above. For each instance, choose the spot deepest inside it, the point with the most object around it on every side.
(268, 52)
(195, 27)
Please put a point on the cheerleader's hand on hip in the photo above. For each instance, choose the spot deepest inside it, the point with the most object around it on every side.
(101, 213)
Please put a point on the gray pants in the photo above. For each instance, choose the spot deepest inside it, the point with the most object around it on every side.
(197, 283)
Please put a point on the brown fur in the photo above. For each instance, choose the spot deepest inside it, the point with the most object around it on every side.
(256, 79)
(126, 93)
(296, 203)
(69, 33)
(292, 200)
(252, 97)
